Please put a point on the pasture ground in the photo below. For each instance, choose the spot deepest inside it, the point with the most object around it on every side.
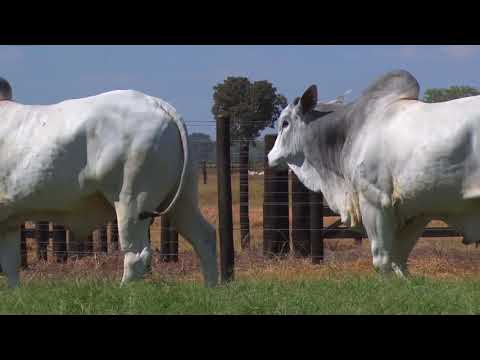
(346, 295)
(446, 279)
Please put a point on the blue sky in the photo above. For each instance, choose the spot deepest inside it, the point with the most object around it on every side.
(185, 75)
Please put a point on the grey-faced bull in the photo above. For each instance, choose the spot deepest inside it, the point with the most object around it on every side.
(82, 162)
(388, 162)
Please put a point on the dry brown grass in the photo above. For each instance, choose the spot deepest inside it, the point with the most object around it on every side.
(439, 259)
(436, 258)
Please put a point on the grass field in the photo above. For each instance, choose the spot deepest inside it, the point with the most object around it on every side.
(350, 295)
(446, 278)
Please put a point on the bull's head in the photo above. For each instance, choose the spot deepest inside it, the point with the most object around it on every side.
(291, 123)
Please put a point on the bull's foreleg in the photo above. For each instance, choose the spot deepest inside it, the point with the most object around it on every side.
(405, 240)
(10, 256)
(379, 225)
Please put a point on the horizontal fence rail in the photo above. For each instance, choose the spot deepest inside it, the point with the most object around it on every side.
(268, 207)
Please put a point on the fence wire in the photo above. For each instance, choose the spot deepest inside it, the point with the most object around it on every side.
(274, 212)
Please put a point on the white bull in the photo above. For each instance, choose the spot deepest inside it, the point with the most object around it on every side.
(388, 162)
(82, 162)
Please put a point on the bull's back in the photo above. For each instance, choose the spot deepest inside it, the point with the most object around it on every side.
(59, 153)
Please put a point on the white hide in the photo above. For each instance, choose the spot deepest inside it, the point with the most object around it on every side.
(427, 154)
(82, 162)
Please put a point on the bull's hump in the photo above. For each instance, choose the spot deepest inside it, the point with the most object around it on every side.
(5, 90)
(398, 83)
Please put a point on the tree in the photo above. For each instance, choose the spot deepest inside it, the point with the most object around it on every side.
(451, 93)
(251, 106)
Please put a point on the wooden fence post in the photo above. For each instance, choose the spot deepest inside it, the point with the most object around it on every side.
(243, 188)
(76, 245)
(168, 240)
(276, 233)
(173, 250)
(112, 236)
(316, 226)
(282, 219)
(300, 218)
(42, 237)
(103, 239)
(89, 245)
(358, 241)
(204, 170)
(59, 243)
(96, 241)
(149, 269)
(224, 184)
(99, 239)
(268, 201)
(68, 235)
(23, 247)
(165, 238)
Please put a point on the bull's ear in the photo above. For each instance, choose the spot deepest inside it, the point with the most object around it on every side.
(309, 99)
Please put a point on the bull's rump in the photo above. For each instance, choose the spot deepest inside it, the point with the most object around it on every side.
(433, 152)
(53, 157)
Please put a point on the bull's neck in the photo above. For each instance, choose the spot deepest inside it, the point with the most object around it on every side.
(320, 166)
(326, 142)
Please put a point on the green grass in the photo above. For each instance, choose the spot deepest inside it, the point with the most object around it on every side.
(354, 295)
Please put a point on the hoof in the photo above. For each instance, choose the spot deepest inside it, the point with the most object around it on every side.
(400, 271)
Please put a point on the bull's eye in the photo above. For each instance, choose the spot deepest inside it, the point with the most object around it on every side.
(285, 124)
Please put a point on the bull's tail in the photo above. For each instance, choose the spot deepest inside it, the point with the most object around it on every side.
(184, 138)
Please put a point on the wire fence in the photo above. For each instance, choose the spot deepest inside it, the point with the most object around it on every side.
(272, 211)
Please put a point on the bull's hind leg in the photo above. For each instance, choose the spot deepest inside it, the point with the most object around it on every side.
(133, 230)
(10, 256)
(191, 224)
(197, 231)
(467, 224)
(133, 237)
(143, 187)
